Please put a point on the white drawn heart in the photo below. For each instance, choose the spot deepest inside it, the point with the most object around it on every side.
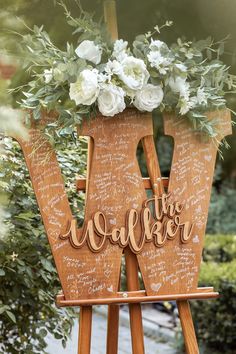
(156, 286)
(208, 157)
(113, 221)
(196, 239)
(110, 289)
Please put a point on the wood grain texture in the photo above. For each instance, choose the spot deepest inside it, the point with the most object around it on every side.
(115, 186)
(153, 167)
(85, 330)
(133, 297)
(174, 268)
(113, 312)
(81, 183)
(85, 323)
(135, 311)
(186, 320)
(112, 329)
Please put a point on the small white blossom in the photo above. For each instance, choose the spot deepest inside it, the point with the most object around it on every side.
(120, 49)
(14, 256)
(134, 73)
(185, 105)
(86, 89)
(88, 50)
(156, 44)
(179, 85)
(113, 67)
(47, 75)
(149, 98)
(158, 61)
(200, 98)
(111, 100)
(159, 56)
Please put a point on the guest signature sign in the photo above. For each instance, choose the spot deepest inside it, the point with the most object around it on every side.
(164, 232)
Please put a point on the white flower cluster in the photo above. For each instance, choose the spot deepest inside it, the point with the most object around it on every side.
(122, 78)
(152, 76)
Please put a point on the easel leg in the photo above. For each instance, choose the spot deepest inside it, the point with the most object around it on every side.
(190, 339)
(135, 312)
(85, 330)
(112, 329)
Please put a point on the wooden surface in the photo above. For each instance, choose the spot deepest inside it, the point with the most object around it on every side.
(112, 329)
(81, 183)
(190, 339)
(85, 330)
(115, 183)
(156, 181)
(135, 311)
(115, 186)
(190, 182)
(85, 323)
(139, 297)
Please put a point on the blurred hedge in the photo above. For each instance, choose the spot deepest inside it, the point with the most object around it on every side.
(215, 319)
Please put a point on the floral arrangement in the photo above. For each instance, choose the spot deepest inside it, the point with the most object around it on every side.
(101, 75)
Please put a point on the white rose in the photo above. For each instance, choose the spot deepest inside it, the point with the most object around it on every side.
(134, 73)
(111, 100)
(86, 89)
(88, 50)
(47, 75)
(149, 98)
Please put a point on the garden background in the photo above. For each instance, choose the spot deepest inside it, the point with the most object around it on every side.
(28, 281)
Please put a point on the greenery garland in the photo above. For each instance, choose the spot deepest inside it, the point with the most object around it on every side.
(101, 75)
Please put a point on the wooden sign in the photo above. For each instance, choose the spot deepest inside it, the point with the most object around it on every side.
(164, 232)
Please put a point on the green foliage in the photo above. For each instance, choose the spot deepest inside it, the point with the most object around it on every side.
(220, 248)
(28, 279)
(199, 78)
(215, 319)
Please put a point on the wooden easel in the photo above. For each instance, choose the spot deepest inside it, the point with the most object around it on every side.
(190, 179)
(131, 262)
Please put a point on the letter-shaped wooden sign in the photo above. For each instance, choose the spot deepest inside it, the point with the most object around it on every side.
(165, 232)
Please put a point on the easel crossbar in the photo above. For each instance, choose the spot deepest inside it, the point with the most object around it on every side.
(81, 183)
(138, 297)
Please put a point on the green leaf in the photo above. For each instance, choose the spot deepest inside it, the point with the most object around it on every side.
(11, 316)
